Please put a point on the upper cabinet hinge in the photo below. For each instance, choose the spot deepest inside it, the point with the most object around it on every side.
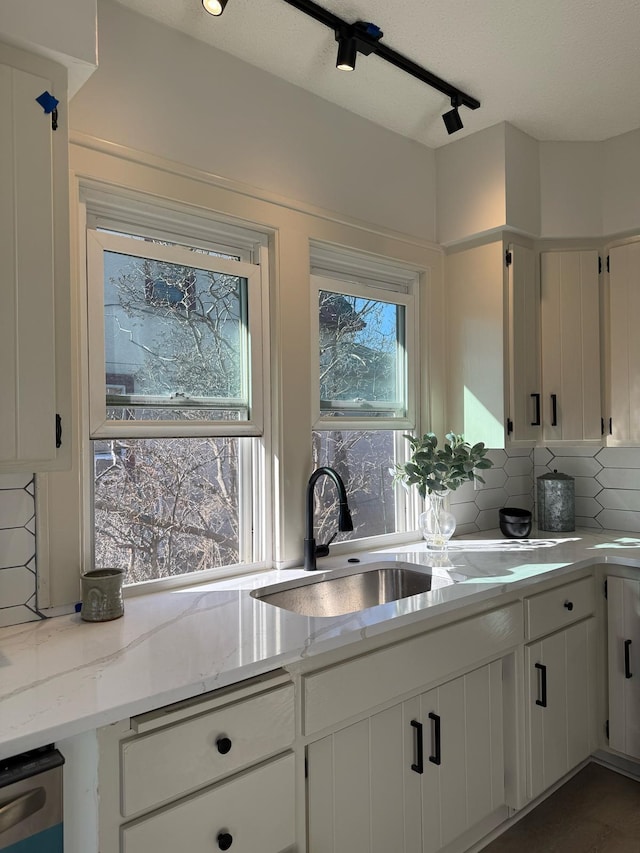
(509, 426)
(607, 263)
(58, 431)
(508, 258)
(599, 265)
(605, 590)
(607, 729)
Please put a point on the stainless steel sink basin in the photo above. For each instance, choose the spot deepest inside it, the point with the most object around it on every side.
(347, 591)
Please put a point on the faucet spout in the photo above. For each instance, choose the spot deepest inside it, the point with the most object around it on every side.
(311, 550)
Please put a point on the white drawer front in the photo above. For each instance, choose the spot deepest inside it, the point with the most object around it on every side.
(339, 692)
(257, 809)
(174, 760)
(555, 609)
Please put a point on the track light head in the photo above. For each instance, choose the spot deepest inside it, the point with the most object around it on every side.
(347, 52)
(214, 7)
(452, 120)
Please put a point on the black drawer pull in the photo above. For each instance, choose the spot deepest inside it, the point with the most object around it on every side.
(418, 767)
(554, 410)
(569, 605)
(225, 840)
(437, 757)
(627, 661)
(224, 745)
(536, 421)
(543, 685)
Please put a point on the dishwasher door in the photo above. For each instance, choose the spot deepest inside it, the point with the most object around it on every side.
(31, 802)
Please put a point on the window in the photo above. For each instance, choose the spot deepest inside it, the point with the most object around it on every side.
(176, 393)
(364, 353)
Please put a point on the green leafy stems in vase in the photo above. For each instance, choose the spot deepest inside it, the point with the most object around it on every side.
(437, 471)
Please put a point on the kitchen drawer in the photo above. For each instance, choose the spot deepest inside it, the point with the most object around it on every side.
(358, 685)
(176, 759)
(552, 610)
(256, 808)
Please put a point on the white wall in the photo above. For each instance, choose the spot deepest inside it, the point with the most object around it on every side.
(64, 31)
(159, 91)
(522, 181)
(471, 185)
(621, 184)
(571, 189)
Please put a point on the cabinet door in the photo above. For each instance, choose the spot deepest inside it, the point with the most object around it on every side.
(623, 611)
(34, 321)
(560, 704)
(624, 343)
(467, 784)
(525, 399)
(570, 324)
(363, 796)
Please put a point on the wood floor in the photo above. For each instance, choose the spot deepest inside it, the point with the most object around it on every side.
(598, 811)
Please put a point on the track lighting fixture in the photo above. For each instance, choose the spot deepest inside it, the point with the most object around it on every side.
(365, 38)
(452, 120)
(347, 52)
(214, 7)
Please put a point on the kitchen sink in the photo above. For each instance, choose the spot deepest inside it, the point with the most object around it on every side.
(347, 591)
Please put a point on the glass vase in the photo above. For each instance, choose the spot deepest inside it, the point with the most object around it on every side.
(437, 524)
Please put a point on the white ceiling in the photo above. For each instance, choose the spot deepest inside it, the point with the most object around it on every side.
(556, 69)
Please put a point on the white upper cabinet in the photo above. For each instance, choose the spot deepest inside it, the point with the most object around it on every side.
(525, 400)
(475, 280)
(570, 324)
(623, 364)
(34, 246)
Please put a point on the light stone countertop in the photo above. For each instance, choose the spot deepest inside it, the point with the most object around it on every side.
(61, 677)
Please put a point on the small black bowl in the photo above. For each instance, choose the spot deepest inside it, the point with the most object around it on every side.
(515, 523)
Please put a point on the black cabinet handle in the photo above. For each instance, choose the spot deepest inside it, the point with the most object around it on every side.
(418, 767)
(437, 757)
(554, 410)
(536, 422)
(569, 605)
(224, 745)
(627, 662)
(543, 685)
(225, 840)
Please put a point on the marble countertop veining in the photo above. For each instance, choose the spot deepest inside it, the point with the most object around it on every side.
(62, 676)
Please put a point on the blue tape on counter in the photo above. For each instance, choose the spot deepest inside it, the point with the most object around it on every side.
(47, 102)
(47, 841)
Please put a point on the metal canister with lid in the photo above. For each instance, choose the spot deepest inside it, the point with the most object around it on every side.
(556, 502)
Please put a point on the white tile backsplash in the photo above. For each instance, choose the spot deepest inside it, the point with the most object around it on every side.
(18, 579)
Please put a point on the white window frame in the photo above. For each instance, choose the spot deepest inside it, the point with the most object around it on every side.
(354, 274)
(350, 273)
(99, 242)
(128, 214)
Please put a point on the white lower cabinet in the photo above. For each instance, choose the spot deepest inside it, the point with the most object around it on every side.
(213, 773)
(413, 777)
(560, 707)
(623, 607)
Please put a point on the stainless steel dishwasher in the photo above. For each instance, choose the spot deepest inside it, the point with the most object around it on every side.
(31, 802)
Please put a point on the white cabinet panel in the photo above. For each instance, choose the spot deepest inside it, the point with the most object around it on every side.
(256, 809)
(623, 609)
(336, 693)
(525, 399)
(560, 704)
(570, 324)
(34, 246)
(375, 786)
(624, 343)
(203, 749)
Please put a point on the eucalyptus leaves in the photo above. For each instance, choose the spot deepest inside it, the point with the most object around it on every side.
(434, 469)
